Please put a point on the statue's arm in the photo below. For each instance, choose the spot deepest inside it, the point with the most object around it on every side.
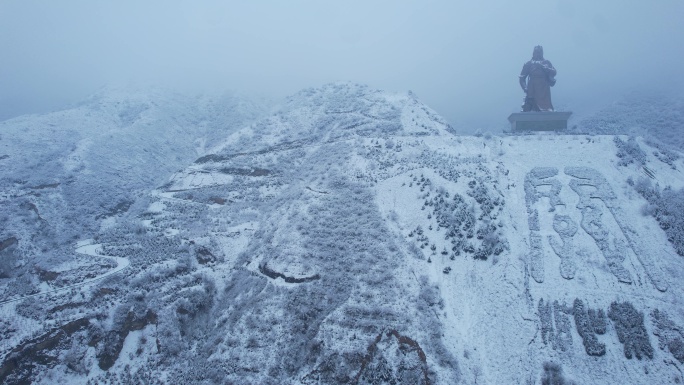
(523, 76)
(549, 69)
(523, 83)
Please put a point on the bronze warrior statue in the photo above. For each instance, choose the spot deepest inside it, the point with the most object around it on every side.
(541, 78)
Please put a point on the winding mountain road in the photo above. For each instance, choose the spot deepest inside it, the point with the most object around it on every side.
(84, 248)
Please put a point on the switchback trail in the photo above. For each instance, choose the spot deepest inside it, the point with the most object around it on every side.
(86, 249)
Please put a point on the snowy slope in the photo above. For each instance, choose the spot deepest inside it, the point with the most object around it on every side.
(655, 116)
(68, 173)
(352, 238)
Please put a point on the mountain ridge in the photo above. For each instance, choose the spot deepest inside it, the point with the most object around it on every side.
(351, 237)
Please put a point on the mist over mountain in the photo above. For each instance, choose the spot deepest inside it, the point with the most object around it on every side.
(343, 235)
(461, 58)
(655, 115)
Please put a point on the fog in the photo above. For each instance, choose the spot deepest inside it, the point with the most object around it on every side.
(460, 58)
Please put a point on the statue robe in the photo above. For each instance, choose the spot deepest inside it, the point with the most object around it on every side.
(539, 75)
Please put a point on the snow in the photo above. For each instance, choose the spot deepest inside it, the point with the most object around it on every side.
(95, 250)
(84, 247)
(309, 238)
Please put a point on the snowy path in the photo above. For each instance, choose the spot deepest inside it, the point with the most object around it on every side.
(85, 248)
(93, 250)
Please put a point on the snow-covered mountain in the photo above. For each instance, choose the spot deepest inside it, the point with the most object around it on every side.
(68, 173)
(656, 116)
(351, 237)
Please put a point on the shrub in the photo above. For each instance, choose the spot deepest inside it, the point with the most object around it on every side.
(667, 207)
(587, 327)
(629, 325)
(669, 334)
(629, 152)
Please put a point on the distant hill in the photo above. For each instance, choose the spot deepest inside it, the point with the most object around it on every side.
(651, 115)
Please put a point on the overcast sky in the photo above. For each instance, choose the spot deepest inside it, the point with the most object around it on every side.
(461, 58)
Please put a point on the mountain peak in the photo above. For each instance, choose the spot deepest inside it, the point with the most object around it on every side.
(338, 112)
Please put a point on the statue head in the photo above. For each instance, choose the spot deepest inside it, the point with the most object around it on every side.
(538, 53)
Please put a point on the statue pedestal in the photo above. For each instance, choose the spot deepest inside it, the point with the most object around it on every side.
(539, 121)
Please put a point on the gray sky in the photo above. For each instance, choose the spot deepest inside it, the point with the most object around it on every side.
(461, 58)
